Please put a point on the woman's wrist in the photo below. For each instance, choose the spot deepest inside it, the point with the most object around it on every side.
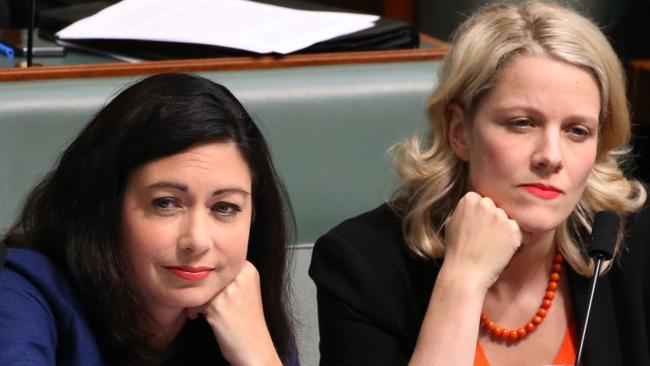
(462, 280)
(269, 358)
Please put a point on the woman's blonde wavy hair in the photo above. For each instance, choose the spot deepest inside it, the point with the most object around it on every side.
(434, 179)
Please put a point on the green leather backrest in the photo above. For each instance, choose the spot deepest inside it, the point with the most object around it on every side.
(328, 127)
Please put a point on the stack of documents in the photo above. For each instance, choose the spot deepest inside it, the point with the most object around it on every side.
(236, 24)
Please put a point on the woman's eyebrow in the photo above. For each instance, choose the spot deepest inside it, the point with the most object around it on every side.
(233, 190)
(185, 188)
(532, 110)
(169, 184)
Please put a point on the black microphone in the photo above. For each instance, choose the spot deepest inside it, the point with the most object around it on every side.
(604, 233)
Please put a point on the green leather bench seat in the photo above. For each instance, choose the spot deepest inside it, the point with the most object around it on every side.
(329, 128)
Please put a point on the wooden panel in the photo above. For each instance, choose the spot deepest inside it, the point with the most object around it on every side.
(225, 63)
(400, 9)
(427, 41)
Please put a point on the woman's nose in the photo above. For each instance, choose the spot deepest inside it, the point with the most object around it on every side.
(195, 232)
(547, 155)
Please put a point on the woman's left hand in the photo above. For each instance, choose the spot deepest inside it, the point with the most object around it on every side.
(237, 319)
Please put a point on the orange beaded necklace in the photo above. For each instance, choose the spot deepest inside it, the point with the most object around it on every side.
(513, 335)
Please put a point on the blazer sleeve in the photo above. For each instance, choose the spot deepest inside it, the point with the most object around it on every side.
(357, 324)
(27, 329)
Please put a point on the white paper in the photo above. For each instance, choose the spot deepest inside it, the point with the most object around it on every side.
(237, 24)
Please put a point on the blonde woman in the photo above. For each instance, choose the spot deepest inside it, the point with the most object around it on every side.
(479, 258)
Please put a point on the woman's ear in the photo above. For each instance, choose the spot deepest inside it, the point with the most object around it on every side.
(458, 134)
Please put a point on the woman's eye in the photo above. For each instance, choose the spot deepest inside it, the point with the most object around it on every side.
(225, 209)
(520, 122)
(579, 132)
(164, 203)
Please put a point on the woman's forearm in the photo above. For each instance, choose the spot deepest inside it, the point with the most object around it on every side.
(450, 327)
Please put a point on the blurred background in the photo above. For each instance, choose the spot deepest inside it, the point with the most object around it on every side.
(625, 22)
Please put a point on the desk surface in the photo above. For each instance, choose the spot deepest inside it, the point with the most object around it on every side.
(82, 65)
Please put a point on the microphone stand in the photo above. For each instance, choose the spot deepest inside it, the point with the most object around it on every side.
(599, 257)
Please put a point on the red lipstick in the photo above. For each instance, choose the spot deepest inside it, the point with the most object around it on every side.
(542, 191)
(190, 273)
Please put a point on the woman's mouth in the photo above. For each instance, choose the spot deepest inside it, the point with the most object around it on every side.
(190, 273)
(542, 191)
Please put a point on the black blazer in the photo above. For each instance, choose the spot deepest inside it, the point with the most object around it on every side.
(373, 294)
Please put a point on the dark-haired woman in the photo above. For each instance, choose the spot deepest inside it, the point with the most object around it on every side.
(166, 208)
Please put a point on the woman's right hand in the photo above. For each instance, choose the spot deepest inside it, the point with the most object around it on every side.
(480, 239)
(236, 315)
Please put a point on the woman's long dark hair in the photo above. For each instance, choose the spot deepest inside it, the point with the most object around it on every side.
(73, 215)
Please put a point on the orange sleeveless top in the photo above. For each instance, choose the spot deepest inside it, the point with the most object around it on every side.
(565, 356)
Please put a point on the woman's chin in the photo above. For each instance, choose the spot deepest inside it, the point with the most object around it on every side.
(531, 229)
(189, 298)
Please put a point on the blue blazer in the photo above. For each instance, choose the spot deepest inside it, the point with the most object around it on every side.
(41, 321)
